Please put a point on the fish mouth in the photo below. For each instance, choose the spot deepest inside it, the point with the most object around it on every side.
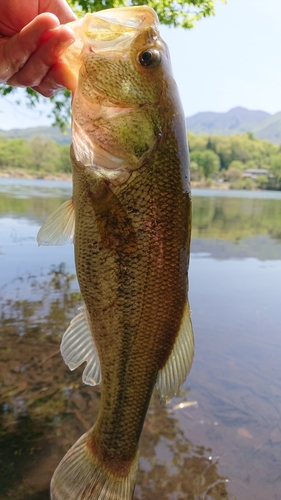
(96, 32)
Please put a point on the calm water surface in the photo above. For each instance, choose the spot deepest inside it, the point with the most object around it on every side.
(225, 443)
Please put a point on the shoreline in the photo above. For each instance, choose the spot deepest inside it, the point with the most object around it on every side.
(60, 176)
(219, 186)
(29, 175)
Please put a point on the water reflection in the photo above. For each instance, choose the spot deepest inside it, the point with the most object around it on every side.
(236, 372)
(172, 467)
(235, 287)
(236, 218)
(224, 225)
(45, 407)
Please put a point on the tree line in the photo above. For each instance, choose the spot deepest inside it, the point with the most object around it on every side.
(213, 159)
(217, 158)
(37, 156)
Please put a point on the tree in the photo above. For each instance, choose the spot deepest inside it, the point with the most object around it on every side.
(237, 165)
(178, 13)
(197, 142)
(45, 156)
(233, 174)
(262, 182)
(233, 154)
(275, 170)
(65, 163)
(242, 148)
(14, 153)
(208, 162)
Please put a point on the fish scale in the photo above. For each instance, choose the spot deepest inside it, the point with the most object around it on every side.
(151, 301)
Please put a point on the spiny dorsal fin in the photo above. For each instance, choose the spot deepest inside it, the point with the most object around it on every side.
(58, 228)
(78, 346)
(173, 374)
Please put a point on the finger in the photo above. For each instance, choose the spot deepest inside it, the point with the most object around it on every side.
(40, 61)
(60, 8)
(59, 76)
(15, 51)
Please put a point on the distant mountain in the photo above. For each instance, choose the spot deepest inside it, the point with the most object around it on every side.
(236, 121)
(53, 133)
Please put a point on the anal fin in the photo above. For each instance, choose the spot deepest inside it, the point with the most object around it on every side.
(173, 374)
(78, 346)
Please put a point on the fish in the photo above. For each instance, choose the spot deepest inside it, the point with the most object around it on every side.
(130, 221)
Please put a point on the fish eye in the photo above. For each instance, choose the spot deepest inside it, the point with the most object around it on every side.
(149, 57)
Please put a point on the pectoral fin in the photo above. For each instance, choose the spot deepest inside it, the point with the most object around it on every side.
(173, 374)
(78, 346)
(58, 228)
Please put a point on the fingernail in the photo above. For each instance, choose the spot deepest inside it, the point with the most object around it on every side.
(62, 46)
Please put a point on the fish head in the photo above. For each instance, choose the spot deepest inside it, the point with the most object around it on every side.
(125, 65)
(124, 80)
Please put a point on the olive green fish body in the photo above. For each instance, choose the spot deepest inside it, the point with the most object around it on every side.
(132, 218)
(131, 261)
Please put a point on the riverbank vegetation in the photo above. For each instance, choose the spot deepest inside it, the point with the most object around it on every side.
(241, 161)
(37, 157)
(236, 161)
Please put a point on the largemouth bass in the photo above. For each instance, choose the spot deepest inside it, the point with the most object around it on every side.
(130, 219)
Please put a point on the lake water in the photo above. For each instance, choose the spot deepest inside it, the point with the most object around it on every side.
(221, 437)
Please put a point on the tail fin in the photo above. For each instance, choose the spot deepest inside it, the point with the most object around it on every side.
(79, 476)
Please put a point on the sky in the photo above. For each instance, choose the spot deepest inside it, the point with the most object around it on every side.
(231, 59)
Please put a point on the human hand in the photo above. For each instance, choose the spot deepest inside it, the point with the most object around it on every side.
(31, 43)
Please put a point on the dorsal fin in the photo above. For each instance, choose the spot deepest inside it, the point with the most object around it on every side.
(78, 346)
(173, 374)
(58, 228)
